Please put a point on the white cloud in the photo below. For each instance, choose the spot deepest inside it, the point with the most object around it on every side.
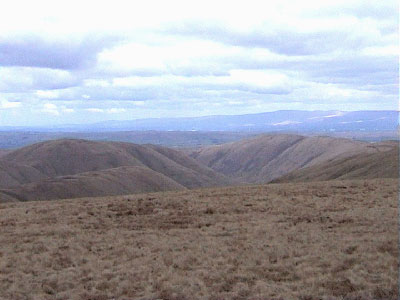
(67, 110)
(191, 57)
(96, 83)
(256, 81)
(47, 94)
(94, 110)
(389, 50)
(4, 104)
(50, 108)
(116, 110)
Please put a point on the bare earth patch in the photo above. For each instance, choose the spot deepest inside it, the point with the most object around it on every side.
(320, 240)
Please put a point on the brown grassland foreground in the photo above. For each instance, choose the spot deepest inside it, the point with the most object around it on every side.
(321, 240)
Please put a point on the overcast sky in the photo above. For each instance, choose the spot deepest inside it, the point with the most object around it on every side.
(88, 61)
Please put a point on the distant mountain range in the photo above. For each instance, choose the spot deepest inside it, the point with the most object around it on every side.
(283, 120)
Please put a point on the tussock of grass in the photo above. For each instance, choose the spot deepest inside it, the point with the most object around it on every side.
(330, 240)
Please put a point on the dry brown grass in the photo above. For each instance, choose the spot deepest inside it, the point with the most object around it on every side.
(321, 240)
(383, 164)
(53, 160)
(266, 157)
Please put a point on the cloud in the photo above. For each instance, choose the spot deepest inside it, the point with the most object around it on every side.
(50, 108)
(116, 110)
(67, 110)
(28, 79)
(36, 51)
(132, 61)
(294, 37)
(4, 104)
(94, 110)
(47, 94)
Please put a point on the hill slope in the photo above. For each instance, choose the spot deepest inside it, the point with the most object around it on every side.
(268, 157)
(70, 157)
(3, 152)
(361, 166)
(331, 240)
(12, 174)
(53, 159)
(110, 182)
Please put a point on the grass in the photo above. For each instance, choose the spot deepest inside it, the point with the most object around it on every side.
(321, 240)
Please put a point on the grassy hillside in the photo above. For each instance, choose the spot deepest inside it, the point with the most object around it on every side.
(77, 168)
(362, 166)
(37, 170)
(3, 152)
(110, 182)
(332, 240)
(69, 157)
(13, 174)
(264, 158)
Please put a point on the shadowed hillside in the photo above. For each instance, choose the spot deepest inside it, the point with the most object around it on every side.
(110, 182)
(361, 166)
(268, 157)
(3, 152)
(79, 168)
(53, 159)
(12, 174)
(68, 157)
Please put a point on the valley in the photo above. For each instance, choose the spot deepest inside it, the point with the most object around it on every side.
(72, 168)
(76, 168)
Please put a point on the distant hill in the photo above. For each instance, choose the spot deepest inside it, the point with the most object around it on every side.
(12, 174)
(53, 159)
(17, 139)
(3, 152)
(69, 157)
(264, 158)
(282, 120)
(71, 168)
(110, 182)
(360, 166)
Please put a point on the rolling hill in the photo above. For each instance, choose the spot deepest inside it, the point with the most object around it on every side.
(3, 152)
(12, 174)
(265, 158)
(68, 157)
(71, 168)
(110, 182)
(52, 160)
(360, 166)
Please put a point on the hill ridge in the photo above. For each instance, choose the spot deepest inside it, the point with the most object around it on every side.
(264, 158)
(70, 157)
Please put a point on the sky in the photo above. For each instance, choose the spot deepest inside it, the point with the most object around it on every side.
(74, 62)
